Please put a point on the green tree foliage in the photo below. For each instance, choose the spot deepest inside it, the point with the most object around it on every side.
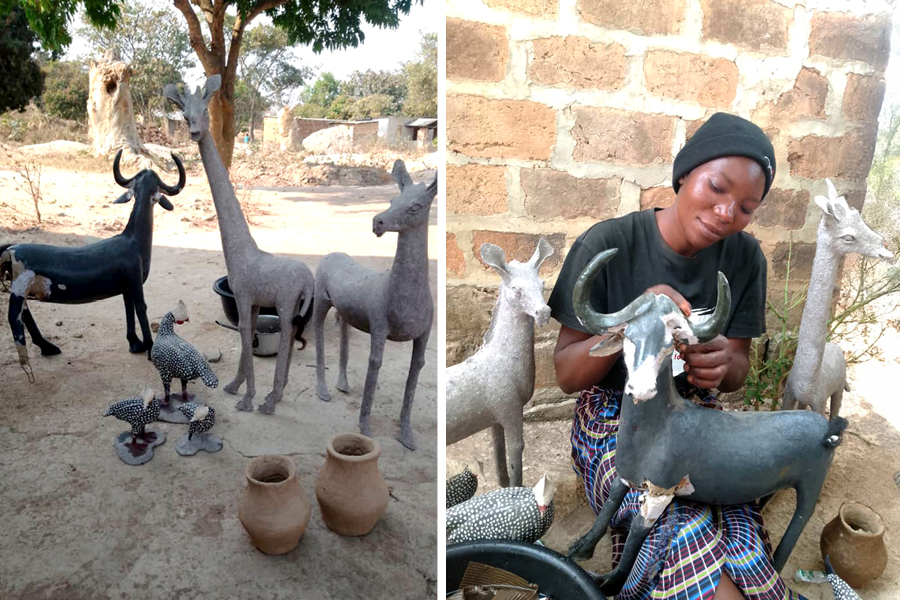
(373, 106)
(66, 90)
(421, 80)
(379, 93)
(316, 100)
(22, 77)
(154, 43)
(324, 24)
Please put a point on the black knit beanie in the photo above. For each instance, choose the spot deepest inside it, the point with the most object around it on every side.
(725, 135)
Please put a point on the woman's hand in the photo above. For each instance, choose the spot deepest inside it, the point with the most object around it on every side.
(721, 363)
(667, 290)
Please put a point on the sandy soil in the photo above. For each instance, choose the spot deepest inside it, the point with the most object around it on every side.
(80, 524)
(863, 471)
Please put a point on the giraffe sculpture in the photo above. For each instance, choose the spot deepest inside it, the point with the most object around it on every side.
(392, 305)
(257, 278)
(819, 370)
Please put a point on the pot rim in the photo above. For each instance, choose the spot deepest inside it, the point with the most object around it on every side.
(276, 458)
(860, 532)
(373, 454)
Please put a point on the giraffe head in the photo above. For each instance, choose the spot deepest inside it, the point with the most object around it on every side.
(844, 230)
(408, 210)
(195, 105)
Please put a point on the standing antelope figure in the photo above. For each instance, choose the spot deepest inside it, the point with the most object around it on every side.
(819, 370)
(392, 305)
(110, 267)
(490, 388)
(256, 277)
(667, 446)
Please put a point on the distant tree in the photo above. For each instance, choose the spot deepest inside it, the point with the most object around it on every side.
(373, 106)
(421, 80)
(376, 86)
(267, 71)
(316, 99)
(154, 43)
(247, 101)
(324, 24)
(341, 108)
(66, 89)
(22, 76)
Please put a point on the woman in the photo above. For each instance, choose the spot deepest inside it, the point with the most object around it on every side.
(720, 177)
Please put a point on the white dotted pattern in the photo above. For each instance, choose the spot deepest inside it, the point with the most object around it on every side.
(132, 411)
(188, 409)
(842, 591)
(461, 487)
(176, 359)
(504, 514)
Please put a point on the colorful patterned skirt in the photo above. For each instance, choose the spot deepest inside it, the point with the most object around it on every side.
(686, 551)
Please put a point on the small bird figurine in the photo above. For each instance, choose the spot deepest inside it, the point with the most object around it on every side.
(842, 591)
(461, 487)
(139, 411)
(514, 513)
(175, 358)
(200, 418)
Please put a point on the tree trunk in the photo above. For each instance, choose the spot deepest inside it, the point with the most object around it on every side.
(252, 124)
(221, 125)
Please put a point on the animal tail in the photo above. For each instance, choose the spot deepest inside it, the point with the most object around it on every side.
(109, 412)
(828, 568)
(209, 378)
(847, 386)
(309, 290)
(835, 428)
(5, 262)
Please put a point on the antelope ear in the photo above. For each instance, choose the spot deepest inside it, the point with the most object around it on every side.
(211, 86)
(610, 342)
(401, 176)
(166, 203)
(822, 203)
(543, 251)
(493, 256)
(124, 197)
(171, 92)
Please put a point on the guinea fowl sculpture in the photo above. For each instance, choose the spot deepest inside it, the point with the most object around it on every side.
(138, 411)
(461, 487)
(841, 590)
(201, 419)
(514, 513)
(174, 358)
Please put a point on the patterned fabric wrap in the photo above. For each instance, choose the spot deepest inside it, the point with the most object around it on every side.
(685, 552)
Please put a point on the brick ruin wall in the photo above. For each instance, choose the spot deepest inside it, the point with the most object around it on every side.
(563, 113)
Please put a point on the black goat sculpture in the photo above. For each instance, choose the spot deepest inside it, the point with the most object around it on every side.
(110, 267)
(667, 446)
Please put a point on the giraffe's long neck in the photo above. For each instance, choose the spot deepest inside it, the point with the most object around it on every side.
(236, 237)
(814, 322)
(410, 268)
(510, 329)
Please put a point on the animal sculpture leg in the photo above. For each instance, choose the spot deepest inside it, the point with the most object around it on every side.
(320, 309)
(807, 494)
(376, 353)
(415, 367)
(515, 433)
(789, 402)
(285, 341)
(140, 307)
(836, 399)
(247, 327)
(499, 438)
(583, 548)
(47, 349)
(135, 344)
(342, 383)
(611, 583)
(16, 306)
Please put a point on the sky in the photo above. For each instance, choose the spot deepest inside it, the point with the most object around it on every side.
(383, 49)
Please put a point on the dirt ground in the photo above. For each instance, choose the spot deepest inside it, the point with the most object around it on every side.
(79, 524)
(863, 471)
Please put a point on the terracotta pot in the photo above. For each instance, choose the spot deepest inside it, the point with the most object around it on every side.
(274, 509)
(854, 540)
(350, 489)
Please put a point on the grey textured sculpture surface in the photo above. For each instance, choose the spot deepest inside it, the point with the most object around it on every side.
(174, 358)
(514, 513)
(135, 447)
(200, 419)
(256, 278)
(667, 446)
(392, 305)
(115, 266)
(819, 370)
(490, 388)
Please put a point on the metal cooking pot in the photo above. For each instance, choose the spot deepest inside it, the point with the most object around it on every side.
(265, 339)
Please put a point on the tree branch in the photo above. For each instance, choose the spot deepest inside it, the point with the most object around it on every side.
(195, 35)
(237, 35)
(217, 30)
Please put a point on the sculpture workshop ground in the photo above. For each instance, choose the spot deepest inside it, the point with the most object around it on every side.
(78, 523)
(863, 471)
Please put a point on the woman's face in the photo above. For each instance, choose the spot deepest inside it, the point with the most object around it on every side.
(718, 199)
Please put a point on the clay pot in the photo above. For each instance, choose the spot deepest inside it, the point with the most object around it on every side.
(854, 540)
(274, 509)
(350, 489)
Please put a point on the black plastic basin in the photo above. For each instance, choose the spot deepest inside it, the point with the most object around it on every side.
(229, 306)
(554, 574)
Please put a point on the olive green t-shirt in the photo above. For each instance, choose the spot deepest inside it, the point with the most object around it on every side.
(644, 260)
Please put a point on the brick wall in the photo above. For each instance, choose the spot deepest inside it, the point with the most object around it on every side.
(564, 112)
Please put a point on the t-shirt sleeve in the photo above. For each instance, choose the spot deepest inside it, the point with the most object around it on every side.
(580, 254)
(749, 319)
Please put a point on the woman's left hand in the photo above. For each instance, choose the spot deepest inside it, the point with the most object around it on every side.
(707, 364)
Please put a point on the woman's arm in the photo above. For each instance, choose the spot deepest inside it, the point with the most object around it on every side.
(575, 368)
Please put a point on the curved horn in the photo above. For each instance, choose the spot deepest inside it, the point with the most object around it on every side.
(711, 327)
(182, 178)
(117, 174)
(596, 322)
